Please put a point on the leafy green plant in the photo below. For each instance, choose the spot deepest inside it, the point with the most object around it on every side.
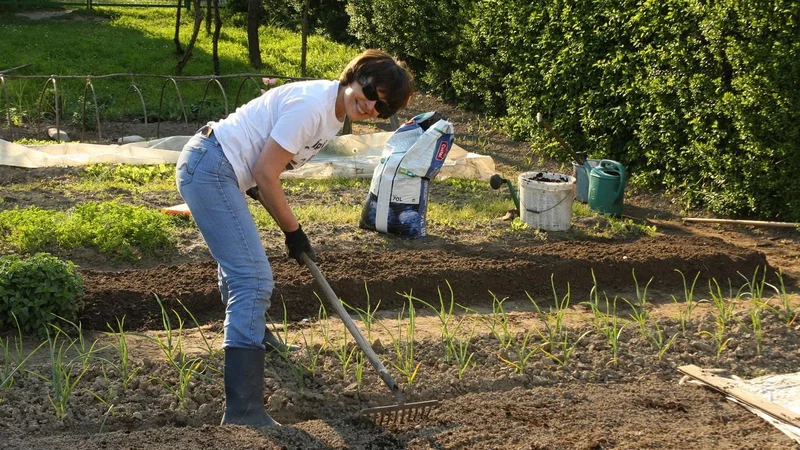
(129, 174)
(123, 231)
(37, 290)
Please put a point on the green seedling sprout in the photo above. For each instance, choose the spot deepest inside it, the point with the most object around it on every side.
(64, 374)
(284, 335)
(13, 363)
(685, 312)
(367, 315)
(313, 351)
(498, 322)
(208, 346)
(358, 369)
(343, 351)
(125, 367)
(81, 347)
(523, 350)
(755, 322)
(186, 369)
(661, 343)
(462, 354)
(787, 312)
(445, 315)
(755, 288)
(171, 345)
(553, 320)
(718, 336)
(284, 353)
(641, 295)
(608, 324)
(639, 315)
(725, 309)
(403, 343)
(567, 348)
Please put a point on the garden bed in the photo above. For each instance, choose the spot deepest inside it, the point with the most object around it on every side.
(567, 385)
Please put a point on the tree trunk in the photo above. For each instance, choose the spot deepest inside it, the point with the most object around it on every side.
(215, 37)
(198, 20)
(208, 16)
(253, 47)
(177, 39)
(304, 45)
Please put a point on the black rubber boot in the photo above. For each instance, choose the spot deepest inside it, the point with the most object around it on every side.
(273, 343)
(244, 388)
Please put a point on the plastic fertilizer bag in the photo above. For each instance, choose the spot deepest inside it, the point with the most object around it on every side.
(398, 195)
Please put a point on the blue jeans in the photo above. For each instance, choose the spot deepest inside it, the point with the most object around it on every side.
(208, 185)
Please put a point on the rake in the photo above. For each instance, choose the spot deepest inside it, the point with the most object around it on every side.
(398, 413)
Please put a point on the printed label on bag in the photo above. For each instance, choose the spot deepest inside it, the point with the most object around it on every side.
(440, 154)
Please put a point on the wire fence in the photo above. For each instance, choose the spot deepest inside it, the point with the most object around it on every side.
(89, 4)
(133, 94)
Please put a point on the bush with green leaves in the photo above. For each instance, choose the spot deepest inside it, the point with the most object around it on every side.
(700, 98)
(37, 291)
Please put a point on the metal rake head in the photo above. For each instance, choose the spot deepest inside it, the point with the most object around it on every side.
(400, 413)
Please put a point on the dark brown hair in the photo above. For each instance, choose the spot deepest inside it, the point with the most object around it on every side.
(389, 75)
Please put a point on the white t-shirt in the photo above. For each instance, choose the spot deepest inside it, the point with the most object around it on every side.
(299, 116)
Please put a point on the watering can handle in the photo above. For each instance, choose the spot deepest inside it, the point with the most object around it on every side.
(623, 176)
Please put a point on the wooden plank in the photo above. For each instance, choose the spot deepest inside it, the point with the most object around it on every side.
(728, 387)
(757, 223)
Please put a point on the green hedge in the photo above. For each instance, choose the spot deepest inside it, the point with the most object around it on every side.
(702, 98)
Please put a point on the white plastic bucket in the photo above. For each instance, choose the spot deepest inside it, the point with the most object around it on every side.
(546, 205)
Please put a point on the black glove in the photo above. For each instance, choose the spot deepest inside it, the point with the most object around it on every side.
(252, 193)
(297, 243)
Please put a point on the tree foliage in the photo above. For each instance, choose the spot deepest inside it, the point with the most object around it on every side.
(699, 97)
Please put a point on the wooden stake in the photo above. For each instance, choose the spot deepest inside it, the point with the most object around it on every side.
(727, 386)
(757, 223)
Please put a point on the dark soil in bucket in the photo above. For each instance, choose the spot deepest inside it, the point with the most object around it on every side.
(548, 178)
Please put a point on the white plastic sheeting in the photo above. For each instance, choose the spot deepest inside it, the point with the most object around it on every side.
(347, 156)
(783, 390)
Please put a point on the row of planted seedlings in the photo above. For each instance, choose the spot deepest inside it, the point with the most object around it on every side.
(463, 333)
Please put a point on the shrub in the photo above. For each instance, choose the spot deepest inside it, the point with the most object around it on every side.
(700, 98)
(38, 290)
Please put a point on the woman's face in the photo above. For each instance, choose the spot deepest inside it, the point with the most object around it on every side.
(358, 104)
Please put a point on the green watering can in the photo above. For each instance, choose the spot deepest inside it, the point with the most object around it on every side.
(607, 187)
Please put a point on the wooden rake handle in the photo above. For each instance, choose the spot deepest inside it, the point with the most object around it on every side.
(333, 299)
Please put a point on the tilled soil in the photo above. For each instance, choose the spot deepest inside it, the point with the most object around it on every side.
(524, 395)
